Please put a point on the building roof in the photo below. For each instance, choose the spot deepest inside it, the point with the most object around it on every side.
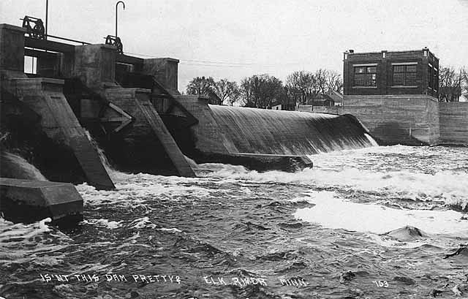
(335, 96)
(358, 55)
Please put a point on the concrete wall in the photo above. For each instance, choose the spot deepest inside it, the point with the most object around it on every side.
(320, 109)
(11, 48)
(208, 132)
(95, 65)
(453, 118)
(394, 119)
(165, 70)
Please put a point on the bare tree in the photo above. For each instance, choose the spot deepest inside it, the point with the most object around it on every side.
(450, 84)
(327, 81)
(334, 82)
(303, 86)
(300, 86)
(321, 80)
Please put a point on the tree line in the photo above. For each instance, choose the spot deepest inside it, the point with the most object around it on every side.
(452, 83)
(265, 91)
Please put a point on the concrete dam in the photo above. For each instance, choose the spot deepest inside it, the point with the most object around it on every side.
(132, 109)
(248, 130)
(264, 139)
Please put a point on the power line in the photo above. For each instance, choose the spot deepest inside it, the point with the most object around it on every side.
(213, 64)
(210, 63)
(234, 64)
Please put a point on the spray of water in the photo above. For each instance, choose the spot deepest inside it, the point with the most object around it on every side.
(15, 166)
(102, 156)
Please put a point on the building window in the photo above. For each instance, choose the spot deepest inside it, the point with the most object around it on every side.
(404, 75)
(365, 76)
(433, 77)
(430, 73)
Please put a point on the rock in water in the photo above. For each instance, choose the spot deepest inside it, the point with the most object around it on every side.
(406, 233)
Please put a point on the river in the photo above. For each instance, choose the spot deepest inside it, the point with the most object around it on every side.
(379, 222)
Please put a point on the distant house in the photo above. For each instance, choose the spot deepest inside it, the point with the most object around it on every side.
(214, 99)
(336, 97)
(278, 105)
(329, 99)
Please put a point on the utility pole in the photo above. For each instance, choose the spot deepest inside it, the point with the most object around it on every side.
(46, 18)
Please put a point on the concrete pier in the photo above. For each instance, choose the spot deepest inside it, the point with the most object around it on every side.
(45, 97)
(146, 129)
(29, 201)
(95, 66)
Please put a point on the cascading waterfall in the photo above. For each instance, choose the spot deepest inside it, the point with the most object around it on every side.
(102, 155)
(251, 130)
(14, 166)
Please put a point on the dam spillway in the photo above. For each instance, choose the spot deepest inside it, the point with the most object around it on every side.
(260, 131)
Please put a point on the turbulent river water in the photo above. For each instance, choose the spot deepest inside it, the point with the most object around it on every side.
(380, 222)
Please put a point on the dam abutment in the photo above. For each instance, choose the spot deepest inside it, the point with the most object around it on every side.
(408, 119)
(393, 119)
(453, 119)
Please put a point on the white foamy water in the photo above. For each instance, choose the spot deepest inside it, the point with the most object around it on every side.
(378, 189)
(372, 190)
(334, 212)
(10, 231)
(104, 223)
(233, 220)
(401, 172)
(134, 190)
(34, 242)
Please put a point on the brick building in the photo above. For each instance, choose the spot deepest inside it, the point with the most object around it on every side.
(391, 73)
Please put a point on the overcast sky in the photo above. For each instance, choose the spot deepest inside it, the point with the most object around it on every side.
(239, 38)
